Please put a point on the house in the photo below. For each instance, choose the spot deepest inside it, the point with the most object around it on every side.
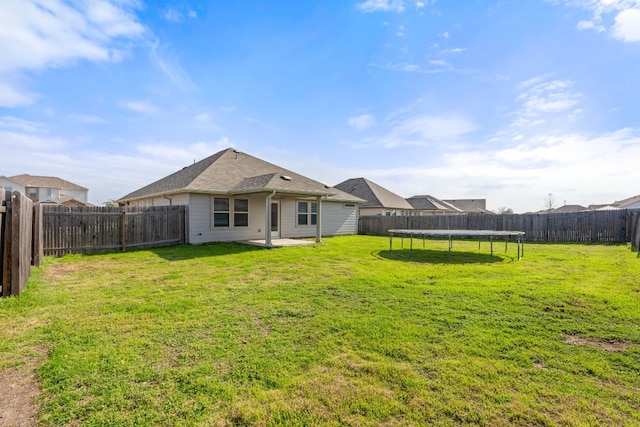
(378, 200)
(565, 209)
(429, 205)
(628, 203)
(47, 189)
(471, 206)
(233, 196)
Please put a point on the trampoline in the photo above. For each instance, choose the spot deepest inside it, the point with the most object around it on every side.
(450, 234)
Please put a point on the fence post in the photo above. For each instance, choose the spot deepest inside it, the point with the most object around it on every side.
(5, 240)
(124, 230)
(38, 241)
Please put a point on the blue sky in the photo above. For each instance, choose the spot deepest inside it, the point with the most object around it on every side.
(503, 100)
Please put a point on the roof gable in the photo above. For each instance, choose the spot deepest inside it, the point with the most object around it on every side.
(233, 172)
(375, 195)
(430, 203)
(27, 180)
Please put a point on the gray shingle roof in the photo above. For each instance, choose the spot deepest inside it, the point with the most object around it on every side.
(430, 203)
(27, 180)
(233, 172)
(375, 195)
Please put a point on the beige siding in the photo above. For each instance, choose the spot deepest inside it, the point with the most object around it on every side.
(79, 195)
(201, 228)
(4, 183)
(336, 220)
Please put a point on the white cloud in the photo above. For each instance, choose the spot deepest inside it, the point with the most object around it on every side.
(381, 5)
(590, 25)
(576, 167)
(37, 34)
(362, 122)
(627, 26)
(41, 34)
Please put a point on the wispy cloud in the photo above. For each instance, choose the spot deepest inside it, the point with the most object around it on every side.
(88, 119)
(362, 122)
(142, 107)
(410, 128)
(540, 96)
(381, 5)
(175, 15)
(169, 63)
(39, 34)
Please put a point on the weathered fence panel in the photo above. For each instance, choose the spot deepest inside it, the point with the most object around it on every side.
(101, 229)
(4, 197)
(16, 241)
(584, 227)
(633, 225)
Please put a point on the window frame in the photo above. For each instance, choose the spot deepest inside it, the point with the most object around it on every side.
(307, 217)
(221, 213)
(238, 213)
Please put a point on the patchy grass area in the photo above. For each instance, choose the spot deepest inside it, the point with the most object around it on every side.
(345, 333)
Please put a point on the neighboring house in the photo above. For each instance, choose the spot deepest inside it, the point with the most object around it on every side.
(470, 205)
(233, 196)
(378, 200)
(629, 203)
(564, 209)
(429, 205)
(47, 189)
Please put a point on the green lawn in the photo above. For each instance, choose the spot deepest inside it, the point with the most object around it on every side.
(344, 333)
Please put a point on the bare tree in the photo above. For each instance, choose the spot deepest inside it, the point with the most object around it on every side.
(503, 210)
(549, 201)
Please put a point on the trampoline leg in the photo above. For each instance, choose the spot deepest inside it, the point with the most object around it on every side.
(411, 246)
(491, 243)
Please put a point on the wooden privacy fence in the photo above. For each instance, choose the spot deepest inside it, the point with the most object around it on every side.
(616, 226)
(101, 229)
(634, 229)
(16, 220)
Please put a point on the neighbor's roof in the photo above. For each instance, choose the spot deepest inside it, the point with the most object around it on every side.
(621, 204)
(375, 195)
(233, 172)
(430, 203)
(27, 180)
(470, 205)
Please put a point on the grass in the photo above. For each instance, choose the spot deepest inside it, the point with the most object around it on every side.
(344, 333)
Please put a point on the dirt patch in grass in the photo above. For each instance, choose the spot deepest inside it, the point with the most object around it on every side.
(61, 269)
(19, 390)
(607, 345)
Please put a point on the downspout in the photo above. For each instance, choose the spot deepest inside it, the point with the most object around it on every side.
(267, 226)
(168, 198)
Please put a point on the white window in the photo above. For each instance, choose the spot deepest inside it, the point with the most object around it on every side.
(240, 212)
(220, 212)
(307, 213)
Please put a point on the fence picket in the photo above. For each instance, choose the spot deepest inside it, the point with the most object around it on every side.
(616, 226)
